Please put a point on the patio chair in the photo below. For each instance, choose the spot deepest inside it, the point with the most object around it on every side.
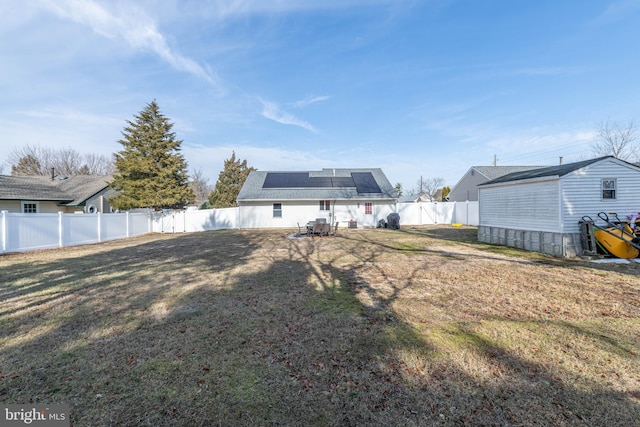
(316, 229)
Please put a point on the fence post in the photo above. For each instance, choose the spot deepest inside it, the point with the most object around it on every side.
(99, 216)
(127, 223)
(4, 230)
(60, 230)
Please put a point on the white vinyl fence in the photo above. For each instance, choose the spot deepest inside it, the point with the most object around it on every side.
(24, 232)
(21, 232)
(410, 214)
(429, 213)
(195, 220)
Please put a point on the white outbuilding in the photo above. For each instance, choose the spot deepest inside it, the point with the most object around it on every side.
(541, 209)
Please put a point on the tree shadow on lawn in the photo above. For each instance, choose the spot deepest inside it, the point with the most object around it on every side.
(467, 237)
(255, 329)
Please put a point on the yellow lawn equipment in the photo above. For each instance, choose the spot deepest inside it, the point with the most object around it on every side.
(616, 238)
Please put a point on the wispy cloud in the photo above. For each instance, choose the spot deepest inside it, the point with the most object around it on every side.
(211, 159)
(546, 71)
(132, 25)
(617, 11)
(271, 111)
(227, 8)
(310, 100)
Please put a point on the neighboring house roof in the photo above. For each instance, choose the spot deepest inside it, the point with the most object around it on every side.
(70, 191)
(408, 199)
(327, 184)
(552, 171)
(493, 172)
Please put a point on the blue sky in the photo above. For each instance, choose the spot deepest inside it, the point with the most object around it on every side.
(417, 88)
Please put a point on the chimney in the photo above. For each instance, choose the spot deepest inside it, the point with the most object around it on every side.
(53, 173)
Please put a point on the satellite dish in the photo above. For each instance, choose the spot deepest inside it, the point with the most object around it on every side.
(91, 209)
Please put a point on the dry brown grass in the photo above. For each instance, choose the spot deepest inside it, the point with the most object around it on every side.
(422, 326)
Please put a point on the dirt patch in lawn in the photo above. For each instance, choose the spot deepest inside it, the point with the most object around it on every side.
(419, 326)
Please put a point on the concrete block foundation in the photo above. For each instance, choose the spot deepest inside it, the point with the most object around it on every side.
(556, 244)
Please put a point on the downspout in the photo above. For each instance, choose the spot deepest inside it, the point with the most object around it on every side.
(333, 211)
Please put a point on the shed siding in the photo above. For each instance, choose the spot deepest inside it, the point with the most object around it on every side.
(581, 193)
(530, 206)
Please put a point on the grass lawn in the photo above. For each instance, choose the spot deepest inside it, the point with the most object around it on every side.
(421, 326)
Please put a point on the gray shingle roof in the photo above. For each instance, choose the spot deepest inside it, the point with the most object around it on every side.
(253, 187)
(559, 170)
(71, 191)
(493, 172)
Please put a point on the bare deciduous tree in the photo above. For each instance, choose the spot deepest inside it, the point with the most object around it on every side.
(618, 140)
(36, 160)
(200, 186)
(428, 189)
(98, 164)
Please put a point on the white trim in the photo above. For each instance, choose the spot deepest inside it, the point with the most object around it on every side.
(29, 202)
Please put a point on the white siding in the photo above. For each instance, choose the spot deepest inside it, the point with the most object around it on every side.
(294, 213)
(524, 206)
(581, 193)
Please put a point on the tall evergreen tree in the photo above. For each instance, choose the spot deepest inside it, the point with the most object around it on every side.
(230, 181)
(150, 170)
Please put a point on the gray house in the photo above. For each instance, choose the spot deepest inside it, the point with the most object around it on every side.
(467, 188)
(42, 194)
(540, 209)
(287, 199)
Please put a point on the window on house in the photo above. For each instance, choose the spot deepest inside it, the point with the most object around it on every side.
(277, 210)
(325, 205)
(609, 188)
(29, 207)
(368, 208)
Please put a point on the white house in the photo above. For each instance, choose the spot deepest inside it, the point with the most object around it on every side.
(540, 209)
(288, 199)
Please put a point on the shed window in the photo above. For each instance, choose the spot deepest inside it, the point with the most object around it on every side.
(368, 208)
(609, 186)
(325, 205)
(277, 210)
(29, 207)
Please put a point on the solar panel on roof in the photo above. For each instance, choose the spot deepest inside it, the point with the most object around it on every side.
(365, 182)
(320, 182)
(286, 180)
(342, 182)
